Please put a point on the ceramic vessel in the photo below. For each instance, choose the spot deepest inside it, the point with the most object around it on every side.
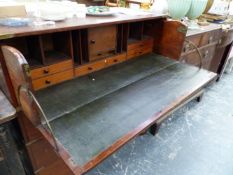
(196, 9)
(160, 7)
(178, 8)
(209, 5)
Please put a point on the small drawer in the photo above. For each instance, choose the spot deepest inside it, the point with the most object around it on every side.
(116, 59)
(140, 44)
(101, 55)
(91, 67)
(138, 52)
(52, 79)
(48, 70)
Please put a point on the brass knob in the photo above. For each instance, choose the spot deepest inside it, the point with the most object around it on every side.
(47, 82)
(46, 71)
(210, 39)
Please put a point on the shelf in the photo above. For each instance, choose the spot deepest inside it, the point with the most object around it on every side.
(56, 47)
(53, 57)
(34, 63)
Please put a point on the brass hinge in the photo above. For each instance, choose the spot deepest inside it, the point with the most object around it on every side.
(6, 36)
(27, 69)
(182, 29)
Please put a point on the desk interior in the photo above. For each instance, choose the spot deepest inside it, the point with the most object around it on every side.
(90, 113)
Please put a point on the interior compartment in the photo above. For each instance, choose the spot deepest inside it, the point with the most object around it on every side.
(80, 46)
(102, 42)
(57, 47)
(122, 36)
(30, 47)
(135, 32)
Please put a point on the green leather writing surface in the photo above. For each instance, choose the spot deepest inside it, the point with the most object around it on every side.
(88, 116)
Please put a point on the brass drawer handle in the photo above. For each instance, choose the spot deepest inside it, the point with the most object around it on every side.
(46, 71)
(90, 68)
(186, 48)
(211, 38)
(99, 54)
(47, 82)
(115, 60)
(92, 41)
(220, 41)
(206, 54)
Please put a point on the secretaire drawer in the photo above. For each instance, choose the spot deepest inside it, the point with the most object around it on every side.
(116, 59)
(48, 70)
(138, 52)
(144, 43)
(52, 79)
(91, 67)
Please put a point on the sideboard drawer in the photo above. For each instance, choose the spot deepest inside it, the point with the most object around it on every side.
(193, 58)
(49, 70)
(52, 79)
(210, 38)
(91, 67)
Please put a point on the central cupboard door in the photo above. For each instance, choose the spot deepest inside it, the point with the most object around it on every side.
(102, 42)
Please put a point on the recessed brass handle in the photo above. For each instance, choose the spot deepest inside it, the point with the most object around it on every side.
(206, 54)
(46, 71)
(210, 39)
(47, 82)
(186, 48)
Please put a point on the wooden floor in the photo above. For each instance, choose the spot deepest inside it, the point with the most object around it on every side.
(90, 113)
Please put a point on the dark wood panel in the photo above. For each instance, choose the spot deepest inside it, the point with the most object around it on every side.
(73, 24)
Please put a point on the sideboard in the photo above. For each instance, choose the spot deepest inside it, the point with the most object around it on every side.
(214, 45)
(97, 83)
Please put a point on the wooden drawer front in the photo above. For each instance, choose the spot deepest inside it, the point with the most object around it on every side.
(210, 38)
(195, 40)
(202, 40)
(48, 70)
(141, 44)
(101, 55)
(116, 59)
(101, 39)
(88, 68)
(138, 52)
(52, 79)
(194, 59)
